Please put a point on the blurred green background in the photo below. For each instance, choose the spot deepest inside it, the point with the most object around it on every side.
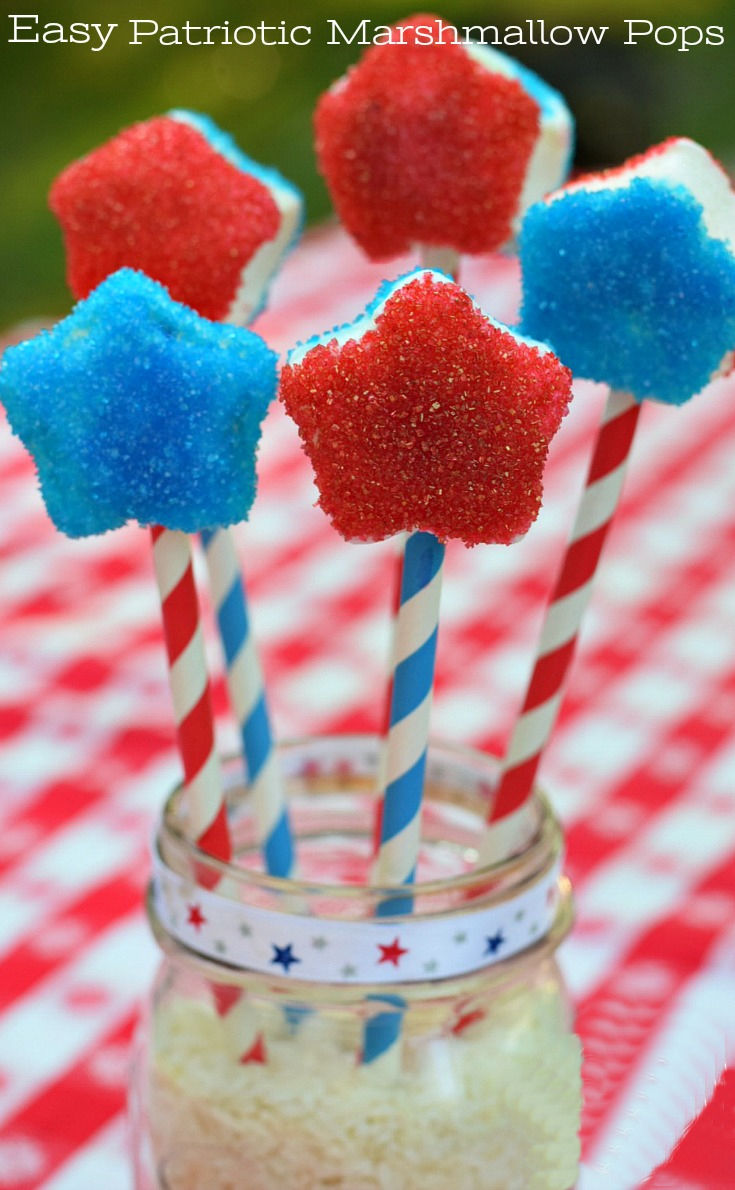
(59, 101)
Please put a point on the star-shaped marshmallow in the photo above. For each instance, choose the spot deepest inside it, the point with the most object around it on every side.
(426, 414)
(630, 274)
(135, 408)
(176, 198)
(430, 142)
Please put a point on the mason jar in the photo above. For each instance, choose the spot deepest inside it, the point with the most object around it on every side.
(322, 1032)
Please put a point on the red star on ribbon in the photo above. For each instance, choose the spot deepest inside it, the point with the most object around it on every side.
(196, 918)
(393, 953)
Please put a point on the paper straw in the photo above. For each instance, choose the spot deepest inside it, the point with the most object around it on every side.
(187, 668)
(407, 742)
(388, 695)
(383, 1029)
(248, 700)
(190, 689)
(403, 761)
(404, 757)
(445, 259)
(509, 810)
(240, 1023)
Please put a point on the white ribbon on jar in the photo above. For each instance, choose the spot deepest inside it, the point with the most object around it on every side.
(380, 950)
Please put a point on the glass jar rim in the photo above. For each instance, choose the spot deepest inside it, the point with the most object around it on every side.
(543, 847)
(357, 932)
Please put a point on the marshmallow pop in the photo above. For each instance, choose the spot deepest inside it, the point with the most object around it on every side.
(630, 276)
(135, 408)
(175, 197)
(424, 416)
(438, 144)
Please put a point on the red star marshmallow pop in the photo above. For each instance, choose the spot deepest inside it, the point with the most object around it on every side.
(438, 144)
(427, 417)
(630, 275)
(176, 198)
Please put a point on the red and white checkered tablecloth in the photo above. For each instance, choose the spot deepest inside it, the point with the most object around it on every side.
(642, 766)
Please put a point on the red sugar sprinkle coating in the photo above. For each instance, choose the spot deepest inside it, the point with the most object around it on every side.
(435, 420)
(422, 145)
(159, 198)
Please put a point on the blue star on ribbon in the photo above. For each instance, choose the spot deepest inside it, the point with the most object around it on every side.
(284, 956)
(495, 942)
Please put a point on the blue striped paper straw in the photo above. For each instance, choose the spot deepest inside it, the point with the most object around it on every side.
(404, 762)
(414, 654)
(247, 696)
(383, 1029)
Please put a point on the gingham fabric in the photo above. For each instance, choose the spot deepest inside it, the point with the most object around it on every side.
(641, 766)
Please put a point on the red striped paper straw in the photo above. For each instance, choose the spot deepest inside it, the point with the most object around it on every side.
(566, 608)
(190, 690)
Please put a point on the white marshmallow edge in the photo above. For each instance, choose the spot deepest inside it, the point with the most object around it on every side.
(679, 163)
(354, 331)
(549, 162)
(260, 269)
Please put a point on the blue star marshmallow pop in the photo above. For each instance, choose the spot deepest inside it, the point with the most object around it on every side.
(136, 408)
(629, 275)
(175, 197)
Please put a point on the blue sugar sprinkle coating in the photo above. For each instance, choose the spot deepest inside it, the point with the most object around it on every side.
(548, 99)
(628, 288)
(136, 408)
